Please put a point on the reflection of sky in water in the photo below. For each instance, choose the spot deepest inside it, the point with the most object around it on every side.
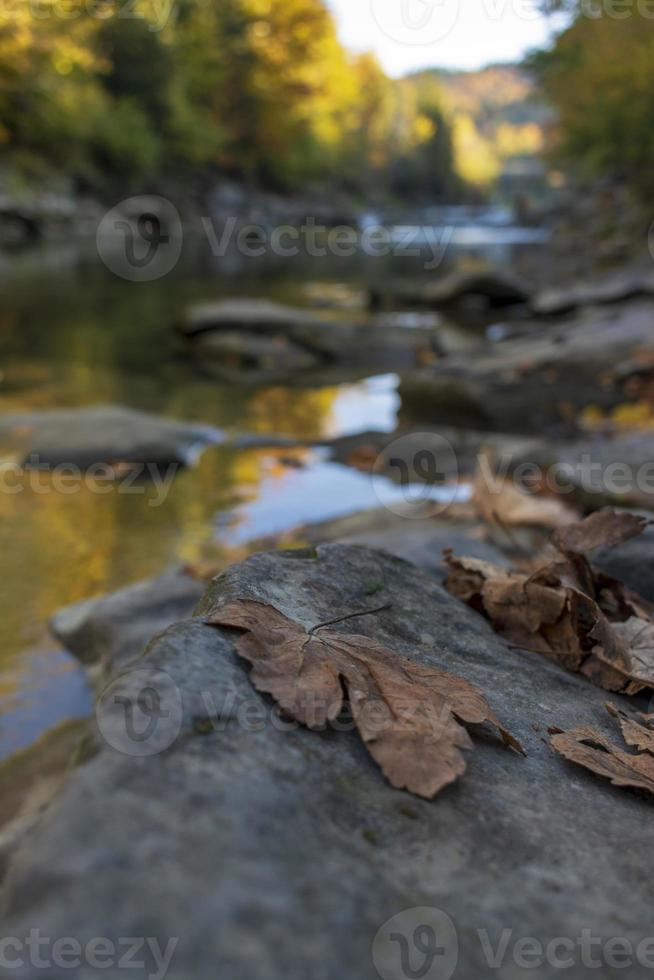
(49, 689)
(320, 491)
(369, 405)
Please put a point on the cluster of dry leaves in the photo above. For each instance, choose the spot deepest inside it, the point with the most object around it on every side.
(587, 621)
(410, 716)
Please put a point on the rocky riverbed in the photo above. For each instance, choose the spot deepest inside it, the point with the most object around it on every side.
(232, 835)
(296, 835)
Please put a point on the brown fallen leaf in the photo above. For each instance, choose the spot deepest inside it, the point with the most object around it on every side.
(409, 716)
(588, 748)
(605, 528)
(500, 500)
(627, 647)
(584, 619)
(635, 730)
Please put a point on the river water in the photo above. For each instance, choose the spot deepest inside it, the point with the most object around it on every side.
(73, 334)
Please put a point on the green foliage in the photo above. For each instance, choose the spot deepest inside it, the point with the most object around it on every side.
(123, 140)
(428, 160)
(600, 78)
(258, 89)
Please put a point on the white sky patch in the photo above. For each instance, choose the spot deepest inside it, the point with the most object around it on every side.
(407, 35)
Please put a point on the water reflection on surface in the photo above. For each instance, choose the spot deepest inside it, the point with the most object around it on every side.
(72, 335)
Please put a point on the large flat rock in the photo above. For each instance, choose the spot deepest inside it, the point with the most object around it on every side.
(538, 381)
(614, 288)
(258, 341)
(258, 315)
(417, 539)
(103, 434)
(274, 854)
(422, 543)
(616, 469)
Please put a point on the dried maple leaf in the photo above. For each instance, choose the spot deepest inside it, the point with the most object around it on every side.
(409, 716)
(588, 748)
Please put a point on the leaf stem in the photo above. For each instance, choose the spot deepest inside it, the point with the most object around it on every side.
(341, 619)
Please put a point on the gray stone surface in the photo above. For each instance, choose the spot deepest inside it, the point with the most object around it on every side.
(422, 543)
(113, 629)
(103, 434)
(277, 855)
(631, 562)
(533, 382)
(457, 450)
(617, 469)
(261, 341)
(613, 289)
(258, 315)
(417, 539)
(244, 351)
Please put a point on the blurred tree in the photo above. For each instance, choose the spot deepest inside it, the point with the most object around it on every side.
(258, 89)
(426, 165)
(600, 77)
(138, 64)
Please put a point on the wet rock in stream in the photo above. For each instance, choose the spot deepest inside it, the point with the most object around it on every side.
(277, 852)
(103, 434)
(114, 629)
(615, 288)
(536, 382)
(259, 342)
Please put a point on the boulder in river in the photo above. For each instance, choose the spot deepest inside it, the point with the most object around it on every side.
(536, 382)
(282, 853)
(483, 290)
(103, 434)
(457, 451)
(113, 630)
(616, 469)
(615, 288)
(258, 341)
